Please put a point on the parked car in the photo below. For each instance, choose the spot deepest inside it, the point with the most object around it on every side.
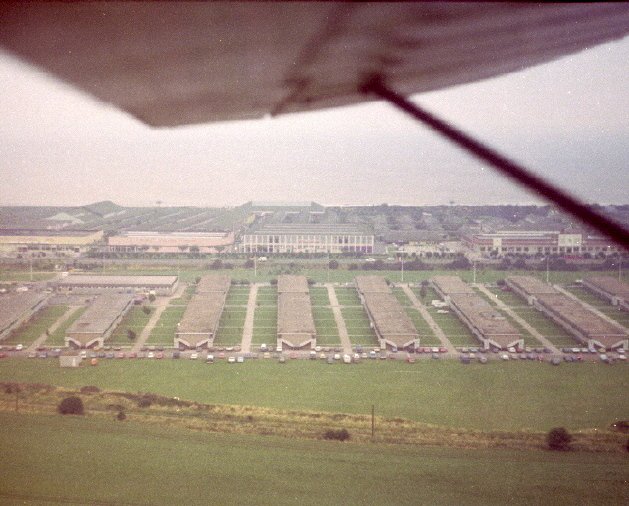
(231, 360)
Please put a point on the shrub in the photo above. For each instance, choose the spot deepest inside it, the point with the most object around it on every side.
(146, 310)
(151, 297)
(71, 406)
(131, 335)
(121, 416)
(558, 439)
(336, 435)
(144, 402)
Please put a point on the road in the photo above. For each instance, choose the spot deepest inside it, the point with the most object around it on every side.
(338, 317)
(503, 307)
(428, 317)
(247, 331)
(159, 305)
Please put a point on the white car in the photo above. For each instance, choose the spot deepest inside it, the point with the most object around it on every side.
(504, 356)
(240, 359)
(151, 355)
(264, 347)
(194, 356)
(231, 360)
(337, 356)
(347, 359)
(318, 349)
(19, 347)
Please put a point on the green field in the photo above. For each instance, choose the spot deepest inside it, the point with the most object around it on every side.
(57, 338)
(41, 321)
(495, 396)
(265, 317)
(164, 331)
(100, 461)
(135, 320)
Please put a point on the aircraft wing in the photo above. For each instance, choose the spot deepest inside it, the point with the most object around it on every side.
(176, 63)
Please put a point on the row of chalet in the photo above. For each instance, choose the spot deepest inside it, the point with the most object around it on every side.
(489, 326)
(586, 326)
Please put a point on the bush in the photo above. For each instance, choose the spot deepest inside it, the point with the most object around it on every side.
(558, 439)
(144, 402)
(146, 310)
(131, 334)
(71, 406)
(121, 416)
(336, 435)
(151, 297)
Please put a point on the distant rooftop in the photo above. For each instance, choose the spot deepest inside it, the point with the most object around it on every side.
(312, 228)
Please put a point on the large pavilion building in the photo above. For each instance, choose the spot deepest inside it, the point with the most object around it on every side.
(308, 238)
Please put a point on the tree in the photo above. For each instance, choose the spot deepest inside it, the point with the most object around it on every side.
(71, 406)
(131, 334)
(423, 292)
(333, 264)
(146, 310)
(151, 297)
(558, 439)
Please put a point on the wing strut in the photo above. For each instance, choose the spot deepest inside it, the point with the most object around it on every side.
(615, 231)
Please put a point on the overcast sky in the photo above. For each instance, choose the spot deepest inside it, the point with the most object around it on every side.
(568, 119)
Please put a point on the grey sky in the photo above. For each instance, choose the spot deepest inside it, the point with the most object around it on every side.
(569, 119)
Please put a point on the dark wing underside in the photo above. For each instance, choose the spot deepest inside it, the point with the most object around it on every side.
(177, 63)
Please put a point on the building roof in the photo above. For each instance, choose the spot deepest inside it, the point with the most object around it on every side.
(294, 317)
(489, 322)
(390, 318)
(451, 285)
(610, 285)
(116, 281)
(288, 283)
(213, 283)
(371, 284)
(585, 321)
(99, 317)
(531, 285)
(311, 229)
(176, 239)
(203, 313)
(13, 305)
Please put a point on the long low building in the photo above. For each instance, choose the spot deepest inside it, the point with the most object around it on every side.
(199, 323)
(47, 241)
(99, 321)
(295, 323)
(17, 308)
(584, 325)
(393, 327)
(612, 289)
(94, 284)
(174, 242)
(489, 326)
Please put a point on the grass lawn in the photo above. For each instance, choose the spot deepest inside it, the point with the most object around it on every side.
(358, 327)
(426, 335)
(57, 338)
(143, 465)
(166, 326)
(327, 331)
(134, 320)
(494, 396)
(231, 326)
(319, 296)
(29, 331)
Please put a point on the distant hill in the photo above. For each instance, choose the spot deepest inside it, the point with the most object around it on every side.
(103, 209)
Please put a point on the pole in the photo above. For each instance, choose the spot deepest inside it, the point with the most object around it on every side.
(31, 267)
(328, 266)
(255, 267)
(373, 422)
(402, 267)
(547, 270)
(617, 232)
(474, 264)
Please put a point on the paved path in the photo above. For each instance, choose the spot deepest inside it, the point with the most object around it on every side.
(590, 307)
(428, 317)
(338, 317)
(160, 304)
(42, 339)
(247, 331)
(518, 319)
